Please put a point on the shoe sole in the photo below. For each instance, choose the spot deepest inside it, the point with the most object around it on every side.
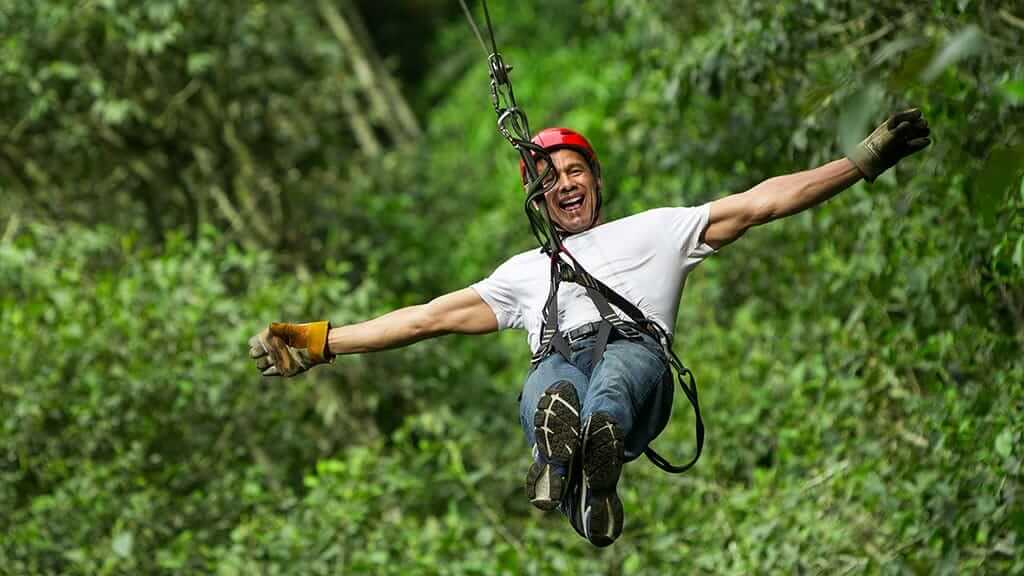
(603, 448)
(556, 429)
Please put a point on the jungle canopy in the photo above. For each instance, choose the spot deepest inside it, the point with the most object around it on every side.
(175, 174)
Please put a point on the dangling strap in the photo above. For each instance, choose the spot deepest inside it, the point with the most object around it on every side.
(601, 295)
(690, 389)
(604, 298)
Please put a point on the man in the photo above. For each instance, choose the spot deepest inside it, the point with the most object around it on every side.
(585, 416)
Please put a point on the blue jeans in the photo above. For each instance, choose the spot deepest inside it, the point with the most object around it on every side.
(629, 383)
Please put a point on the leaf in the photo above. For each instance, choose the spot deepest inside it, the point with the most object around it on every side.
(856, 115)
(1013, 90)
(199, 62)
(122, 544)
(63, 70)
(892, 49)
(964, 43)
(1004, 443)
(909, 71)
(632, 564)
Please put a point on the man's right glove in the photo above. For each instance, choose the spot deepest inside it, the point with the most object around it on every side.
(290, 349)
(901, 135)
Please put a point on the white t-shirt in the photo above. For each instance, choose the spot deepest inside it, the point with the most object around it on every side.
(645, 258)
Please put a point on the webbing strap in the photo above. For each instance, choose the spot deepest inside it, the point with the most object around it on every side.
(603, 298)
(687, 381)
(551, 337)
(690, 389)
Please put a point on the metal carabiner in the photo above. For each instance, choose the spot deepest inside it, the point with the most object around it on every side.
(499, 70)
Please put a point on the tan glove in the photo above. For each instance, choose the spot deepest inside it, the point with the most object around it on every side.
(289, 349)
(899, 136)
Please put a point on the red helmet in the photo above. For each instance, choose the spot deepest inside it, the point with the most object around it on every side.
(551, 139)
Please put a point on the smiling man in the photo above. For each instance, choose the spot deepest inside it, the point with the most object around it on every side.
(596, 405)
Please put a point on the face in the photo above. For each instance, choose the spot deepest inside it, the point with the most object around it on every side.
(570, 191)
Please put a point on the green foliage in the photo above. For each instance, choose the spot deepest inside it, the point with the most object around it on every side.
(179, 114)
(860, 364)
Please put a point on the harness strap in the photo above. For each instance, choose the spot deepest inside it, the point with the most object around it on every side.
(690, 389)
(603, 297)
(551, 338)
(687, 381)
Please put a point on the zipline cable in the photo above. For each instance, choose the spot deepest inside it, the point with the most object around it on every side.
(472, 24)
(514, 126)
(490, 29)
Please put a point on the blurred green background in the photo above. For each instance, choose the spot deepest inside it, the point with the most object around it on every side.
(175, 174)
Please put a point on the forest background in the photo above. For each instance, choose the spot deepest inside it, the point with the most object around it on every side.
(175, 174)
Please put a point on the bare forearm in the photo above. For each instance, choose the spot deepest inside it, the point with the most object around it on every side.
(791, 193)
(392, 330)
(458, 312)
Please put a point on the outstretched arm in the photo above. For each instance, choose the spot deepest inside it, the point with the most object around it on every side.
(459, 312)
(776, 198)
(286, 349)
(899, 136)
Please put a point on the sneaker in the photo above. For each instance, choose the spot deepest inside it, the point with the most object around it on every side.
(556, 429)
(596, 511)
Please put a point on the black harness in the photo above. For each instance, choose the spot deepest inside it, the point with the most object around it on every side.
(513, 125)
(604, 298)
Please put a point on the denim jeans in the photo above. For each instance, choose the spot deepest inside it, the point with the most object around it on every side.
(629, 383)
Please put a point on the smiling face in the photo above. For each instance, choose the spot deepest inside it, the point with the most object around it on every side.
(571, 191)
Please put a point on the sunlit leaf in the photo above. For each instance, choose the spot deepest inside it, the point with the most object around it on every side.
(811, 99)
(964, 43)
(893, 48)
(857, 115)
(122, 544)
(1004, 443)
(199, 62)
(63, 70)
(1013, 91)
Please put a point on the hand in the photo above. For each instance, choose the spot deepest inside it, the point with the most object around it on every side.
(290, 349)
(901, 135)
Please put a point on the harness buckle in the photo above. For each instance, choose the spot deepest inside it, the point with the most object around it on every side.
(628, 331)
(581, 332)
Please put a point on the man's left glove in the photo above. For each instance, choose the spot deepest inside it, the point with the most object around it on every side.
(899, 136)
(289, 349)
